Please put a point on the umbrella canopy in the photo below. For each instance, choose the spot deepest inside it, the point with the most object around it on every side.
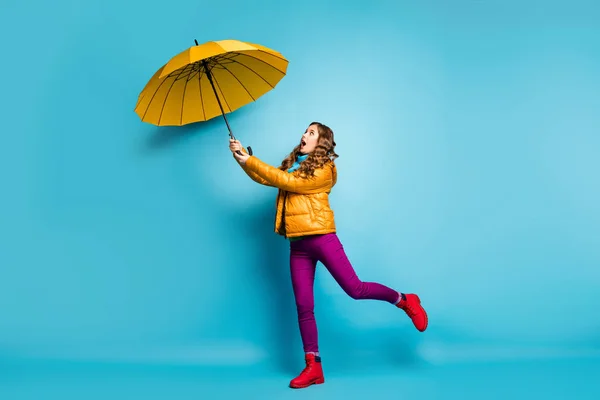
(209, 80)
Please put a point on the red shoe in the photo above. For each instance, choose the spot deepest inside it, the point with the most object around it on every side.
(312, 374)
(411, 304)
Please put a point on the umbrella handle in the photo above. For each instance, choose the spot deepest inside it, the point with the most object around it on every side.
(249, 151)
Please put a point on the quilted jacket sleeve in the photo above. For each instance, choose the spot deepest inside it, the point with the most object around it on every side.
(252, 174)
(322, 181)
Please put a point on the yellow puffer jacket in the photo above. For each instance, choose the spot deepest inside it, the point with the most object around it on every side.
(302, 203)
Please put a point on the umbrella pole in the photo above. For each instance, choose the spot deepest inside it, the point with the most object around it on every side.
(208, 74)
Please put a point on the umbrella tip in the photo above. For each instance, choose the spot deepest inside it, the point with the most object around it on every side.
(196, 42)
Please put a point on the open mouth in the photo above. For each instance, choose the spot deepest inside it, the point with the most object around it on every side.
(303, 143)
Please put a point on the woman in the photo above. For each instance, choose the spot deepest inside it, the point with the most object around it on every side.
(305, 179)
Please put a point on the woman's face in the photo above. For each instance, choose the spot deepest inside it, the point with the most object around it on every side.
(309, 140)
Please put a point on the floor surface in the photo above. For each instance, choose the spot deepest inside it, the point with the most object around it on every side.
(544, 379)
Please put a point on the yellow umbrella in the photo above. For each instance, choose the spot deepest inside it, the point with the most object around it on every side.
(208, 80)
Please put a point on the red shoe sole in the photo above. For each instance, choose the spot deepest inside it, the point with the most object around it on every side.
(317, 382)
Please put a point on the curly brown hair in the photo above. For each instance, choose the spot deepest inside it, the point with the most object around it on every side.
(324, 153)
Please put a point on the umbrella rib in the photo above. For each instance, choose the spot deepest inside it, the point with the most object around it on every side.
(263, 61)
(152, 99)
(271, 54)
(142, 95)
(232, 74)
(215, 79)
(259, 75)
(183, 102)
(200, 87)
(167, 95)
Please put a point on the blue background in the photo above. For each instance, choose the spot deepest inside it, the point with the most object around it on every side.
(469, 138)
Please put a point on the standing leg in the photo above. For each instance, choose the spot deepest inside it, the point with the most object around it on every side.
(302, 268)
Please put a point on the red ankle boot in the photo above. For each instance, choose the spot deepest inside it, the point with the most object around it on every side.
(312, 374)
(411, 304)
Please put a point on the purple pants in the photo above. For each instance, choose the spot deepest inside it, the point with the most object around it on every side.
(327, 249)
